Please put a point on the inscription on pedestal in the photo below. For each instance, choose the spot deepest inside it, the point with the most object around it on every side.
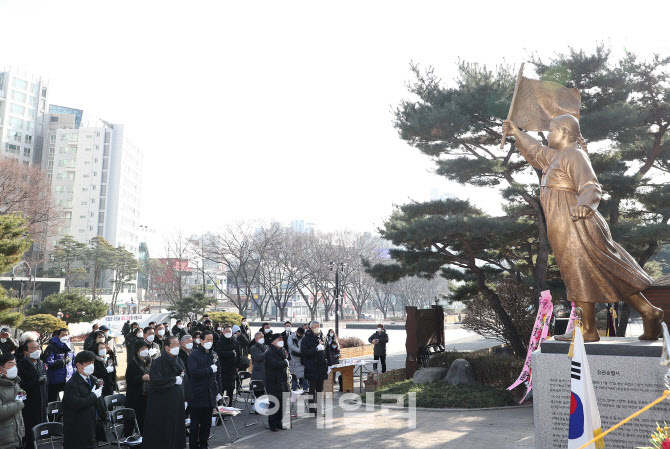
(622, 384)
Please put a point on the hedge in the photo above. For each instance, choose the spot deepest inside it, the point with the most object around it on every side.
(489, 369)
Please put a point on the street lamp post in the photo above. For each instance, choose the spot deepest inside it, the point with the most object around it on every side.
(338, 267)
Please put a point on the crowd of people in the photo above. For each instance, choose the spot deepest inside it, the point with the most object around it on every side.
(171, 374)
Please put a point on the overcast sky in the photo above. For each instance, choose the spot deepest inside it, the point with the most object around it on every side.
(283, 110)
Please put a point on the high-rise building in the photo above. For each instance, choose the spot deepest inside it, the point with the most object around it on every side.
(96, 177)
(23, 102)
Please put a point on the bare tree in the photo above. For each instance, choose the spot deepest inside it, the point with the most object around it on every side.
(169, 276)
(27, 190)
(242, 248)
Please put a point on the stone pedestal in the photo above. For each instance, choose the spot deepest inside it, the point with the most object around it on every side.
(626, 376)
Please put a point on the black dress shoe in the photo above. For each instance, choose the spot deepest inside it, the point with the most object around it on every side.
(273, 429)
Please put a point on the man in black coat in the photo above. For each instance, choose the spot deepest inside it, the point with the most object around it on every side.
(164, 422)
(33, 374)
(313, 347)
(79, 404)
(90, 339)
(205, 371)
(7, 344)
(267, 332)
(228, 350)
(276, 379)
(178, 329)
(286, 334)
(380, 339)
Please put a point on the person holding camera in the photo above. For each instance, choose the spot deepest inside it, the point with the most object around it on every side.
(33, 374)
(380, 339)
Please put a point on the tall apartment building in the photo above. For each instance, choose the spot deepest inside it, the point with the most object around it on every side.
(23, 102)
(96, 177)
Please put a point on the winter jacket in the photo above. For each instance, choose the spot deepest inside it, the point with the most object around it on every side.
(380, 347)
(9, 346)
(228, 350)
(59, 359)
(333, 355)
(101, 373)
(316, 366)
(205, 384)
(11, 420)
(296, 365)
(276, 371)
(258, 361)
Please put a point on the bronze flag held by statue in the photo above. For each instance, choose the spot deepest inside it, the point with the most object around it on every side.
(536, 103)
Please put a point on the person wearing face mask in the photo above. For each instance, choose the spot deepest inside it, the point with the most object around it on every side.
(80, 398)
(205, 371)
(333, 355)
(286, 334)
(178, 329)
(104, 368)
(185, 349)
(160, 336)
(196, 339)
(7, 344)
(132, 336)
(164, 425)
(108, 340)
(59, 358)
(296, 365)
(137, 384)
(258, 359)
(166, 326)
(313, 348)
(266, 331)
(330, 337)
(11, 419)
(244, 328)
(379, 339)
(150, 341)
(90, 339)
(207, 326)
(33, 374)
(228, 350)
(243, 341)
(276, 378)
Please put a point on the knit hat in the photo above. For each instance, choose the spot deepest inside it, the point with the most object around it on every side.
(236, 328)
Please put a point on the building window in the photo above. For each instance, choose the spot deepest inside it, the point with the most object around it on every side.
(44, 91)
(16, 109)
(20, 84)
(11, 148)
(70, 175)
(84, 203)
(52, 150)
(52, 139)
(63, 150)
(49, 176)
(14, 135)
(15, 123)
(18, 96)
(28, 139)
(26, 152)
(50, 165)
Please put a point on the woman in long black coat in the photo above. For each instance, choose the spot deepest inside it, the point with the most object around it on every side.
(137, 383)
(104, 368)
(164, 422)
(276, 377)
(33, 374)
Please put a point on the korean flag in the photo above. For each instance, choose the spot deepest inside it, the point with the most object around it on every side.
(584, 415)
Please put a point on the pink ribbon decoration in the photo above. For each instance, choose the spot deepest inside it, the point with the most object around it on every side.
(539, 334)
(573, 317)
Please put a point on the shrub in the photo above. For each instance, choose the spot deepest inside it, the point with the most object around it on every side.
(350, 342)
(75, 307)
(225, 317)
(44, 325)
(396, 318)
(443, 395)
(489, 369)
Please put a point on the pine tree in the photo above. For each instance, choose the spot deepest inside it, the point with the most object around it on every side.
(14, 242)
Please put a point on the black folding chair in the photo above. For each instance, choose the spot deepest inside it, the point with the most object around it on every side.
(55, 411)
(118, 418)
(256, 386)
(114, 401)
(46, 430)
(242, 390)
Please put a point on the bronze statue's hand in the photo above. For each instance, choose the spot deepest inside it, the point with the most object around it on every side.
(510, 128)
(580, 212)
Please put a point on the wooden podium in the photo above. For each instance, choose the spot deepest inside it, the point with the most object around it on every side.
(347, 373)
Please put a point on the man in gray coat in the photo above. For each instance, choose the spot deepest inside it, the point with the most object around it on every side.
(257, 352)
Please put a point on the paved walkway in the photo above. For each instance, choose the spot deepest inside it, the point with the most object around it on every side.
(360, 429)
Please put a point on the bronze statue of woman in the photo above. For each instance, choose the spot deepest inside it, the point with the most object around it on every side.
(594, 267)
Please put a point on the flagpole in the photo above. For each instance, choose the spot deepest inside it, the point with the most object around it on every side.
(511, 107)
(666, 395)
